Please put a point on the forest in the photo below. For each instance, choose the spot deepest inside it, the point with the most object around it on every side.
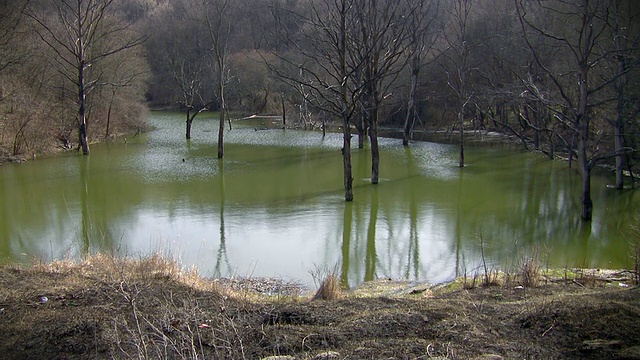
(560, 76)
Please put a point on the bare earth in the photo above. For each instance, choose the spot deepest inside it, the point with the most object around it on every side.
(115, 308)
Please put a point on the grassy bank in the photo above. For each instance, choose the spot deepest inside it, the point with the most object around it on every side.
(106, 307)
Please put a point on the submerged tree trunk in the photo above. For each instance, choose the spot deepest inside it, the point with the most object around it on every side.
(223, 111)
(375, 153)
(587, 203)
(344, 111)
(346, 159)
(583, 139)
(373, 138)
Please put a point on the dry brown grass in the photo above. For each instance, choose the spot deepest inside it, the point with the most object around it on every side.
(530, 272)
(113, 308)
(329, 288)
(112, 268)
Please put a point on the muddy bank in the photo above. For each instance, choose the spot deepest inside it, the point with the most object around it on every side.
(116, 308)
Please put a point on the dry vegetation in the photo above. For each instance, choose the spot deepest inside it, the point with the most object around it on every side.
(106, 307)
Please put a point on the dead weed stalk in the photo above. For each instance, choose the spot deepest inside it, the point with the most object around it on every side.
(329, 288)
(530, 271)
(491, 274)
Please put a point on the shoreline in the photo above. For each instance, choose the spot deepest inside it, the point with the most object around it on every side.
(106, 307)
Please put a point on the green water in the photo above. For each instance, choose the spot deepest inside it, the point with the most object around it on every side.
(274, 207)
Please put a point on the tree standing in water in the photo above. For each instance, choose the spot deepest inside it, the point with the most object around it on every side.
(582, 32)
(220, 27)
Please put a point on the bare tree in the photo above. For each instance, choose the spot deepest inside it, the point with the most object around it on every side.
(625, 59)
(186, 52)
(82, 33)
(220, 28)
(378, 51)
(422, 34)
(579, 32)
(322, 66)
(125, 76)
(457, 62)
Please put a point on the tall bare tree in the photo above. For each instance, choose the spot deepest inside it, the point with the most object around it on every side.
(185, 51)
(625, 59)
(323, 65)
(422, 34)
(378, 50)
(81, 34)
(457, 61)
(220, 29)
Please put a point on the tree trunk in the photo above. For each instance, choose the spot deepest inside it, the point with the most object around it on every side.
(362, 128)
(223, 105)
(534, 121)
(619, 123)
(373, 134)
(189, 122)
(284, 112)
(618, 148)
(583, 138)
(375, 152)
(82, 119)
(551, 146)
(411, 111)
(461, 116)
(346, 157)
(585, 172)
(106, 133)
(344, 91)
(221, 130)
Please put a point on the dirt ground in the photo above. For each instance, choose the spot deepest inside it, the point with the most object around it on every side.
(149, 308)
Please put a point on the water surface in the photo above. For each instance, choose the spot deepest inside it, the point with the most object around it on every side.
(274, 207)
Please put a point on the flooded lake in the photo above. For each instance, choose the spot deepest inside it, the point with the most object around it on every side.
(274, 206)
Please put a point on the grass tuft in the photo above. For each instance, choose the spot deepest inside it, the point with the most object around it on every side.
(530, 272)
(329, 288)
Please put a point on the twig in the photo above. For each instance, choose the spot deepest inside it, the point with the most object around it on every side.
(306, 337)
(549, 329)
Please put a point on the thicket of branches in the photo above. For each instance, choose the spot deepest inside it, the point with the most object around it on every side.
(43, 45)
